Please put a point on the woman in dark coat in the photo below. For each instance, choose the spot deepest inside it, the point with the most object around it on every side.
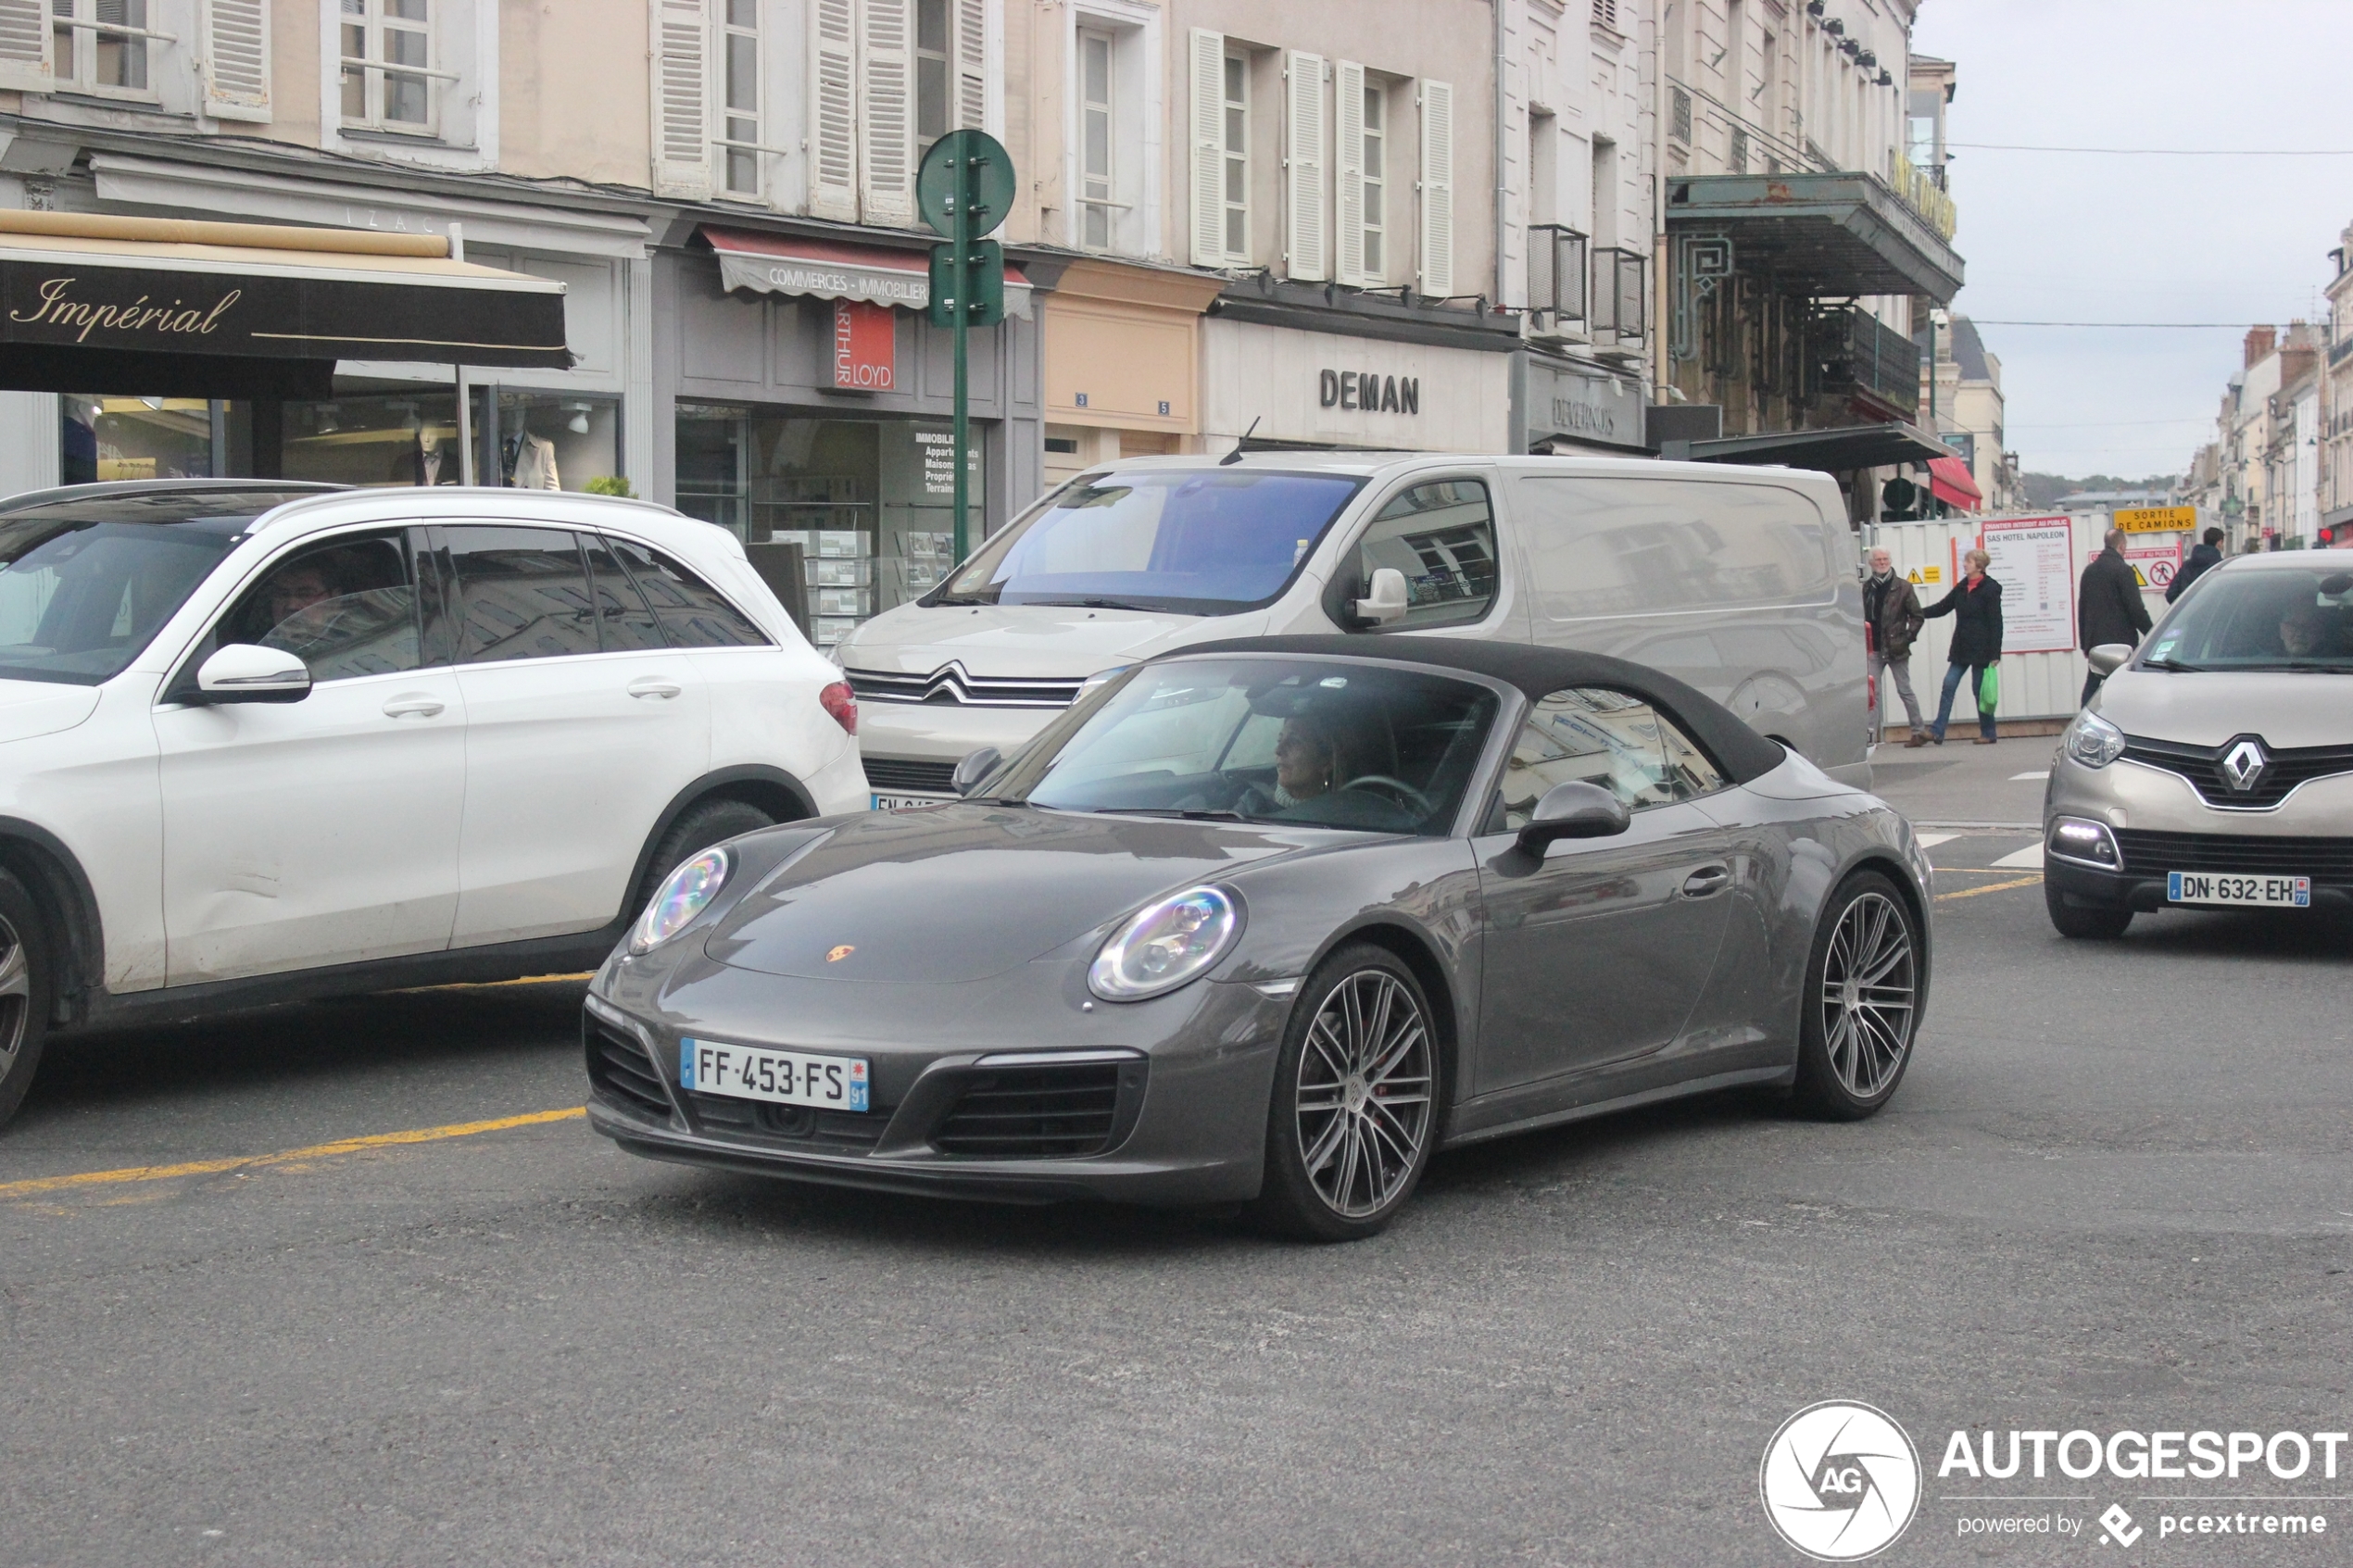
(1975, 604)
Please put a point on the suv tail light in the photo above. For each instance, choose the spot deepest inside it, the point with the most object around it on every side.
(842, 703)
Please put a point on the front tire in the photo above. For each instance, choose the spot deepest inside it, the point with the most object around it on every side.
(2080, 923)
(1353, 1115)
(699, 827)
(28, 987)
(1860, 1010)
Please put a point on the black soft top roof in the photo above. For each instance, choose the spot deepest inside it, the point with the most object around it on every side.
(1540, 672)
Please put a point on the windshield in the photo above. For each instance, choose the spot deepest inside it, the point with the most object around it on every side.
(1326, 743)
(80, 596)
(2260, 619)
(1196, 543)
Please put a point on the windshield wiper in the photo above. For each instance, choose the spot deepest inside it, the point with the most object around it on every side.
(1093, 604)
(2175, 665)
(1191, 814)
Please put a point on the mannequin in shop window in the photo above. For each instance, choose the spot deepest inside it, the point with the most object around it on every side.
(528, 462)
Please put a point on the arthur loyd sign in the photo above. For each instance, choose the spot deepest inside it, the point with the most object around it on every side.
(1373, 393)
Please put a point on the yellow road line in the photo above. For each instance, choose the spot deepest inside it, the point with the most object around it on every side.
(1992, 887)
(316, 1151)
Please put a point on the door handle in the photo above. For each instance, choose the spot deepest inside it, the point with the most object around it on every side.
(413, 705)
(655, 686)
(1708, 881)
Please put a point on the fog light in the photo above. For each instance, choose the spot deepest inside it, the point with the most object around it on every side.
(2090, 843)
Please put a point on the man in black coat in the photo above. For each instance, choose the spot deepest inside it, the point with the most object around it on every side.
(2202, 559)
(2109, 607)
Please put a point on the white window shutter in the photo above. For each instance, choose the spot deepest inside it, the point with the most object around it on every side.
(972, 65)
(1307, 206)
(1348, 85)
(833, 109)
(887, 111)
(1209, 148)
(27, 62)
(682, 99)
(233, 50)
(1438, 190)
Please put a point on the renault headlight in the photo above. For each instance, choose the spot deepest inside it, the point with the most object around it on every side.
(2093, 741)
(1165, 945)
(688, 892)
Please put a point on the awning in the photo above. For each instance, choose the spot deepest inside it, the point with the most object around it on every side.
(1837, 450)
(96, 303)
(1826, 235)
(1950, 482)
(832, 270)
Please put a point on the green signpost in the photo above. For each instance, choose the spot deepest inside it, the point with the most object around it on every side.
(964, 189)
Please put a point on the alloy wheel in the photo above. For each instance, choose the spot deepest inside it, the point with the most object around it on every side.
(16, 995)
(1869, 986)
(1364, 1100)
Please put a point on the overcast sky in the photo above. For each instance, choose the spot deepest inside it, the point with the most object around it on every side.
(2051, 236)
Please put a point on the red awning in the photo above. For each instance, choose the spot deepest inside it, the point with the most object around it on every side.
(833, 269)
(1949, 481)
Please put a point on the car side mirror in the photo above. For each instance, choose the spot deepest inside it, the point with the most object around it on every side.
(1387, 599)
(246, 672)
(975, 767)
(1573, 810)
(2108, 658)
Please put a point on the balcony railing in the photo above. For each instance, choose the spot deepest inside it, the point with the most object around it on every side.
(1923, 194)
(1852, 351)
(1618, 294)
(1557, 277)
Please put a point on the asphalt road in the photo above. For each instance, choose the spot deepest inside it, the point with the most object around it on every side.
(2114, 1191)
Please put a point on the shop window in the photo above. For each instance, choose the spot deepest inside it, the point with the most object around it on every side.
(870, 502)
(109, 438)
(102, 46)
(526, 440)
(388, 75)
(554, 440)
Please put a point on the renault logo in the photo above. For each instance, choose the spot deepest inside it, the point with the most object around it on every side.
(2242, 765)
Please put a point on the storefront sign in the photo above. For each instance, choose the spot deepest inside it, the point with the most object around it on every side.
(865, 346)
(2033, 559)
(1602, 409)
(1370, 391)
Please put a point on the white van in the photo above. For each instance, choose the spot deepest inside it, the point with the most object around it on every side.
(1741, 581)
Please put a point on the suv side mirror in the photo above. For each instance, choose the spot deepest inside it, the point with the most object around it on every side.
(246, 672)
(1387, 599)
(1573, 810)
(974, 767)
(2108, 658)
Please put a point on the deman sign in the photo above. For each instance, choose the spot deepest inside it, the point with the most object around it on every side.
(1371, 392)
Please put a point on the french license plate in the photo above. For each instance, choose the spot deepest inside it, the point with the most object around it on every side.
(909, 802)
(829, 1083)
(2205, 888)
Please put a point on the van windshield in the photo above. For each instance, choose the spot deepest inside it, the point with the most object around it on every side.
(1195, 543)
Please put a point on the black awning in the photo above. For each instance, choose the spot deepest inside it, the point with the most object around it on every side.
(1837, 450)
(1827, 235)
(239, 318)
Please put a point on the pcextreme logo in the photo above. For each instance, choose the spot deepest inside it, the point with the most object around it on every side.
(1840, 1481)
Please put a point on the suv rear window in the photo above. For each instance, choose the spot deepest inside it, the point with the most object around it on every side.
(82, 594)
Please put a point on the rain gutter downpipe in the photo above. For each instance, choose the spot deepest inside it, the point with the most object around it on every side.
(1502, 146)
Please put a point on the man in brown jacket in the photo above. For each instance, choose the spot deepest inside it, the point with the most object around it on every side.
(1892, 612)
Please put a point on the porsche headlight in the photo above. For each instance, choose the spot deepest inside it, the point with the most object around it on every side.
(1163, 945)
(2093, 741)
(688, 892)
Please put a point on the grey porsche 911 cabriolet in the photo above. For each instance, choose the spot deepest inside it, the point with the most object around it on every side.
(1270, 922)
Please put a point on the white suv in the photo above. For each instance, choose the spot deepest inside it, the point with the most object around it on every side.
(260, 740)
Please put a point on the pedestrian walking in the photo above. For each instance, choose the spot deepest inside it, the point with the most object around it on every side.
(1975, 604)
(1892, 612)
(2107, 605)
(2204, 558)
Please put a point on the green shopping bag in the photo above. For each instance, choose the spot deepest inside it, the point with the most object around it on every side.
(1988, 690)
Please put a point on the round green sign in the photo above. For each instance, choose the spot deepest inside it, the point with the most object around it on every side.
(972, 164)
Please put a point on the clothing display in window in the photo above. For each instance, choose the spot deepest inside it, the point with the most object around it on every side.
(529, 462)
